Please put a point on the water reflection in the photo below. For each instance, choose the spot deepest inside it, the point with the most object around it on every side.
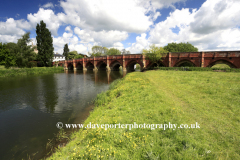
(30, 107)
(50, 93)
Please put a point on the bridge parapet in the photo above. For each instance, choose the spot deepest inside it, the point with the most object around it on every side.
(172, 59)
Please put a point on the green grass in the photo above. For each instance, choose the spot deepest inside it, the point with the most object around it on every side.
(221, 66)
(158, 97)
(2, 67)
(28, 71)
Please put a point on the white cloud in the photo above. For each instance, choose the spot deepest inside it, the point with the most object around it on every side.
(11, 30)
(216, 15)
(72, 41)
(9, 38)
(80, 48)
(118, 45)
(107, 38)
(85, 36)
(48, 5)
(141, 43)
(213, 27)
(104, 38)
(163, 34)
(121, 15)
(165, 3)
(14, 27)
(68, 28)
(52, 21)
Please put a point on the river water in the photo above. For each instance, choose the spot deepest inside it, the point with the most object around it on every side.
(30, 107)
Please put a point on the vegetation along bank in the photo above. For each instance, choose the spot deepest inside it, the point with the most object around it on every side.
(158, 97)
(28, 71)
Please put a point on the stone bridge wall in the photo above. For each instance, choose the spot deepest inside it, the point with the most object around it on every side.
(198, 59)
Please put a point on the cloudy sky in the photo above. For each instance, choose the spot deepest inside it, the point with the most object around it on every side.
(130, 24)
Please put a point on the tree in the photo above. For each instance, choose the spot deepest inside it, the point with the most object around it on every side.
(25, 53)
(180, 47)
(100, 50)
(124, 51)
(66, 51)
(154, 54)
(44, 44)
(78, 56)
(72, 54)
(6, 58)
(113, 51)
(12, 50)
(95, 54)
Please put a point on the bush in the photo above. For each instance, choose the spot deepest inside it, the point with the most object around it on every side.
(32, 64)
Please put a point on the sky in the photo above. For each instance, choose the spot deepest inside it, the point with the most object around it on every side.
(125, 24)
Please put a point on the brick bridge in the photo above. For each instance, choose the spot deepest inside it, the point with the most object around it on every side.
(174, 59)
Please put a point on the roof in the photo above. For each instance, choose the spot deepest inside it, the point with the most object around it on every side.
(58, 55)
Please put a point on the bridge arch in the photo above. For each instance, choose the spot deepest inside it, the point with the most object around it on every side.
(101, 65)
(89, 66)
(130, 65)
(115, 65)
(152, 65)
(70, 66)
(79, 66)
(222, 61)
(185, 63)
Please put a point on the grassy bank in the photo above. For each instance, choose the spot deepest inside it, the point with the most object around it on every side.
(28, 71)
(212, 99)
(217, 68)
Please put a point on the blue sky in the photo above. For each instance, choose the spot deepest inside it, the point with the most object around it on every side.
(130, 24)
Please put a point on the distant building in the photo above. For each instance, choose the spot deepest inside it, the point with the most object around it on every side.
(35, 50)
(58, 57)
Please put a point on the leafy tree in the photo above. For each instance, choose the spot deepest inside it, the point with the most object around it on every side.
(25, 53)
(66, 51)
(124, 51)
(180, 47)
(99, 50)
(44, 44)
(78, 56)
(103, 51)
(113, 51)
(95, 54)
(72, 54)
(22, 53)
(12, 47)
(6, 58)
(154, 54)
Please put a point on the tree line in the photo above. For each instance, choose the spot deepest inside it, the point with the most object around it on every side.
(155, 54)
(96, 52)
(21, 55)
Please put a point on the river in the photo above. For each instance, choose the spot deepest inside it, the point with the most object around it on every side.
(30, 107)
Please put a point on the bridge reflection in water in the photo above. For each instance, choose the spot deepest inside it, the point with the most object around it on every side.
(100, 76)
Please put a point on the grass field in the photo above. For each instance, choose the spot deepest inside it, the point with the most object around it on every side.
(2, 67)
(28, 71)
(221, 66)
(212, 99)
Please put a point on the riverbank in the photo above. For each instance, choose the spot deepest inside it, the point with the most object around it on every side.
(28, 71)
(210, 99)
